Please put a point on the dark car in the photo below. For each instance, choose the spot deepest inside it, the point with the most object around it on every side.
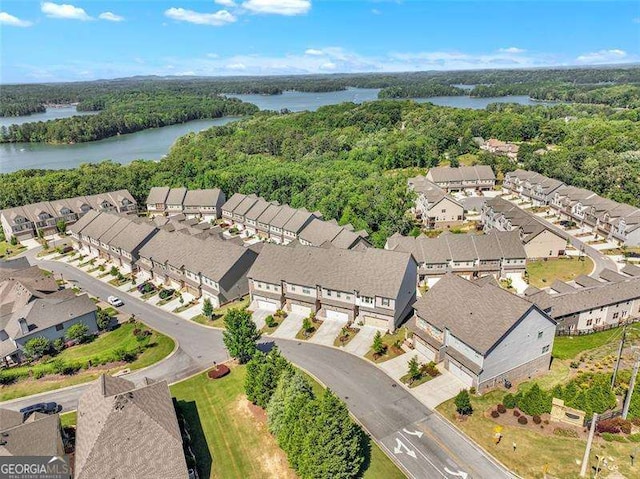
(42, 407)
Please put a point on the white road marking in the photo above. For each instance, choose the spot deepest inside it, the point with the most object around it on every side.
(461, 474)
(400, 446)
(423, 455)
(413, 433)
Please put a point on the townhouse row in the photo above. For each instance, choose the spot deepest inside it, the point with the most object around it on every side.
(434, 208)
(27, 221)
(470, 178)
(615, 221)
(204, 204)
(498, 253)
(538, 240)
(282, 224)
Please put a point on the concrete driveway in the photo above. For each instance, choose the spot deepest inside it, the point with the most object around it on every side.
(439, 389)
(328, 331)
(289, 327)
(259, 316)
(362, 342)
(398, 367)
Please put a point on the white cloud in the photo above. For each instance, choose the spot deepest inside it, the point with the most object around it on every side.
(219, 18)
(226, 3)
(7, 19)
(512, 50)
(110, 16)
(212, 55)
(55, 10)
(278, 7)
(237, 66)
(328, 66)
(603, 56)
(313, 52)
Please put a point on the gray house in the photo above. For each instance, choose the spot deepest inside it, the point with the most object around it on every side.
(483, 334)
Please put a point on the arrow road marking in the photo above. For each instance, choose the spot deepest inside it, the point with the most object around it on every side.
(400, 446)
(413, 433)
(461, 474)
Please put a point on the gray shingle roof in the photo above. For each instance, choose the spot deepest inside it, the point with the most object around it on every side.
(257, 209)
(176, 196)
(232, 203)
(611, 276)
(299, 219)
(157, 194)
(39, 435)
(478, 315)
(370, 272)
(245, 205)
(127, 432)
(631, 270)
(284, 215)
(208, 197)
(443, 174)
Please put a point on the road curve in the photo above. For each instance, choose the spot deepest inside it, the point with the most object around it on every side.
(422, 443)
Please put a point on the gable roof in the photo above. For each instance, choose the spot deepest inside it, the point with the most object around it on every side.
(445, 174)
(157, 194)
(208, 197)
(233, 202)
(128, 431)
(39, 435)
(176, 196)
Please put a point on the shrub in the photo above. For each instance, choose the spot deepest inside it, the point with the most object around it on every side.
(57, 365)
(535, 401)
(114, 271)
(523, 420)
(36, 347)
(536, 419)
(142, 334)
(495, 414)
(13, 241)
(472, 390)
(123, 355)
(607, 436)
(431, 369)
(39, 373)
(614, 426)
(78, 331)
(463, 403)
(565, 432)
(634, 437)
(509, 401)
(501, 408)
(58, 345)
(516, 413)
(270, 321)
(103, 319)
(574, 365)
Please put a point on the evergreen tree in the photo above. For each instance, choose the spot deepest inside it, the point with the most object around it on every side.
(463, 403)
(535, 401)
(240, 335)
(207, 308)
(378, 346)
(263, 373)
(334, 443)
(414, 369)
(293, 388)
(251, 380)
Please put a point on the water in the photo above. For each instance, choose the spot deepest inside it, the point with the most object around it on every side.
(155, 143)
(147, 144)
(50, 114)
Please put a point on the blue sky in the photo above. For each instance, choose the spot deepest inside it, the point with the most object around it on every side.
(86, 40)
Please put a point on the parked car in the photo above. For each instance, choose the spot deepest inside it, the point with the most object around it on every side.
(67, 249)
(115, 301)
(41, 407)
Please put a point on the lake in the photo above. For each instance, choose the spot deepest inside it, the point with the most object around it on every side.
(50, 114)
(155, 143)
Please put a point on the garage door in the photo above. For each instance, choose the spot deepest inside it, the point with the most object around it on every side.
(376, 322)
(460, 374)
(424, 350)
(299, 309)
(337, 315)
(267, 305)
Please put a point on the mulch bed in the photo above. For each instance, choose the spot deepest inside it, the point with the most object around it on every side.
(220, 371)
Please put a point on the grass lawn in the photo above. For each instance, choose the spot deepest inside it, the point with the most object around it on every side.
(423, 379)
(101, 349)
(217, 320)
(269, 330)
(306, 335)
(569, 347)
(68, 418)
(229, 434)
(536, 451)
(543, 273)
(7, 249)
(392, 351)
(184, 307)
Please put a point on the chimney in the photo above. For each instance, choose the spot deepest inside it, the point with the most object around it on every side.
(24, 327)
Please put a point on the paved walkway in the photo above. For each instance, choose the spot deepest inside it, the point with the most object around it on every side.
(259, 316)
(328, 331)
(361, 342)
(289, 327)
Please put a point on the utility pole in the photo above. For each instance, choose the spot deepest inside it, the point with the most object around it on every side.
(587, 451)
(632, 384)
(615, 370)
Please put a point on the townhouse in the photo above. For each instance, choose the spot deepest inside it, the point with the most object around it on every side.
(212, 268)
(433, 207)
(498, 147)
(537, 188)
(25, 222)
(483, 334)
(128, 431)
(479, 177)
(113, 237)
(538, 240)
(31, 305)
(369, 286)
(282, 224)
(204, 204)
(498, 253)
(589, 304)
(36, 435)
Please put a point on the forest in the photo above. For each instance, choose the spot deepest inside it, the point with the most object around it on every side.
(351, 161)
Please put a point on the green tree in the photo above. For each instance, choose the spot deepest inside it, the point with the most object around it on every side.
(207, 308)
(378, 345)
(103, 319)
(414, 369)
(13, 241)
(61, 225)
(463, 403)
(114, 271)
(307, 325)
(240, 335)
(263, 373)
(334, 445)
(78, 331)
(58, 345)
(36, 347)
(535, 401)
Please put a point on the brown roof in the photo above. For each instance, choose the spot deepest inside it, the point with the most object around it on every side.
(127, 432)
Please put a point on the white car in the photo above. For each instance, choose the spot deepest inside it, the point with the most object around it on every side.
(115, 301)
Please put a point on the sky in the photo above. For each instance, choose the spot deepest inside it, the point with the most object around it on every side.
(70, 40)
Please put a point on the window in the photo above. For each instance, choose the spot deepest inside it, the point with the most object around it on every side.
(615, 315)
(545, 349)
(589, 322)
(338, 294)
(385, 301)
(539, 334)
(306, 291)
(59, 327)
(443, 211)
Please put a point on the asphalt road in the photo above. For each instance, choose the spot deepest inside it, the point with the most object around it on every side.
(424, 444)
